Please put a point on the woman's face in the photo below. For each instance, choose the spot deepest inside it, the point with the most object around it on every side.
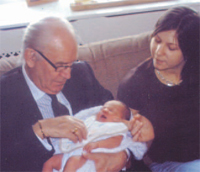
(166, 52)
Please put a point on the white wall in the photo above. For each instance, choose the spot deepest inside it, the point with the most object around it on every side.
(11, 41)
(92, 29)
(102, 28)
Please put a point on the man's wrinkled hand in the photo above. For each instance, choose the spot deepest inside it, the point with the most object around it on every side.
(62, 127)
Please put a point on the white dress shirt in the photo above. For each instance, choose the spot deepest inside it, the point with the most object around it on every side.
(44, 104)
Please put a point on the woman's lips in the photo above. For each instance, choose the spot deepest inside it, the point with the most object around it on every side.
(159, 61)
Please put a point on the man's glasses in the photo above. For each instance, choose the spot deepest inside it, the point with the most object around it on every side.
(57, 68)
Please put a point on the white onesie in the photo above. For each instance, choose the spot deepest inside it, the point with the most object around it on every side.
(98, 131)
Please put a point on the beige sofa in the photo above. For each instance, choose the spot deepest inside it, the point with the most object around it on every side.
(110, 59)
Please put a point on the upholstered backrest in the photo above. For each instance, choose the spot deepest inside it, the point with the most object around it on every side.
(112, 59)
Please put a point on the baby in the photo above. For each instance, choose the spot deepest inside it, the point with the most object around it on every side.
(99, 126)
(104, 135)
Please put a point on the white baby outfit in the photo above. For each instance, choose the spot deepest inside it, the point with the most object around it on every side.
(98, 131)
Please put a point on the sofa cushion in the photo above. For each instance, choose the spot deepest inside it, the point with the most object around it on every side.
(112, 59)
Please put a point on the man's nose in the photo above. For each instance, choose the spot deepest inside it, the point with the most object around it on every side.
(66, 73)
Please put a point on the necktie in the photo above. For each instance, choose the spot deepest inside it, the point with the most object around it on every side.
(58, 108)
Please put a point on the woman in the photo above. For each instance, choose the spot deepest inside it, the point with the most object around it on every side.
(165, 89)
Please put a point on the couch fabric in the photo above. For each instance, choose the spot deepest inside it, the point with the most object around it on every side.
(109, 59)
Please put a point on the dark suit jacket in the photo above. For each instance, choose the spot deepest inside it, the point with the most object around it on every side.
(20, 148)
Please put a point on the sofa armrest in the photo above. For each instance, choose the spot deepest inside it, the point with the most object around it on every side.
(7, 64)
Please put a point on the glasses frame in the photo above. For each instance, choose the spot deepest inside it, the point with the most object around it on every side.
(51, 63)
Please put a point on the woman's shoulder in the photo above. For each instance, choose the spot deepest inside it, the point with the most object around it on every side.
(141, 71)
(145, 66)
(134, 84)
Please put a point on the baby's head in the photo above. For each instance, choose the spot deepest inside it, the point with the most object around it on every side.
(113, 109)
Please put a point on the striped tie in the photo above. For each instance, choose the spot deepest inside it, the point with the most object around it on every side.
(58, 108)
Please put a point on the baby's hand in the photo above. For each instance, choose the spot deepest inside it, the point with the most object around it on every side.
(90, 146)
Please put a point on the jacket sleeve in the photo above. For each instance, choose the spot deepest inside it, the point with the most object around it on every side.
(83, 89)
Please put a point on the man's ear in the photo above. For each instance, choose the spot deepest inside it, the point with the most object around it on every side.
(30, 57)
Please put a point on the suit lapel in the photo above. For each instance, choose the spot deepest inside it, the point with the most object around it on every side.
(30, 106)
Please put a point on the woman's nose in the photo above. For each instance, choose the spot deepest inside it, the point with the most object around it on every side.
(160, 49)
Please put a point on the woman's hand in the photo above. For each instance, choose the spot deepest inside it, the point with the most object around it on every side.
(145, 131)
(140, 127)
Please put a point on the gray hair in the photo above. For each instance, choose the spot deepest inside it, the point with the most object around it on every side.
(36, 33)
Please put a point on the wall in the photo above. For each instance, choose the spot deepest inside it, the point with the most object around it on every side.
(102, 28)
(92, 29)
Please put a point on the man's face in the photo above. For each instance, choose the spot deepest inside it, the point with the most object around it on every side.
(61, 52)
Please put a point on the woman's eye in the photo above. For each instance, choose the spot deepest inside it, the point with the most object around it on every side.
(157, 40)
(172, 48)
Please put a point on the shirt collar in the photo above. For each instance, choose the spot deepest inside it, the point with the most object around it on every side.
(35, 91)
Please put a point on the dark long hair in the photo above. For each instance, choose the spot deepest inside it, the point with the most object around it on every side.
(185, 21)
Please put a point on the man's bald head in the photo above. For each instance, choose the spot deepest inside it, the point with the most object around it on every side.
(44, 31)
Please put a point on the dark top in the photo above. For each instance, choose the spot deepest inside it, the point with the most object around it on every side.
(20, 148)
(173, 111)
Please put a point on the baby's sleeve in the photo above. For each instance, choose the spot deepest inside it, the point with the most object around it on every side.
(138, 149)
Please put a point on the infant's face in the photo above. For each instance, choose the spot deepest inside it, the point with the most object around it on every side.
(110, 111)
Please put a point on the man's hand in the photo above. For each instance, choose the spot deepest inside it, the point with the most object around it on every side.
(61, 127)
(104, 162)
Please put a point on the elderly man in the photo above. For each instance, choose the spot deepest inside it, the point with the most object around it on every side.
(39, 99)
(30, 94)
